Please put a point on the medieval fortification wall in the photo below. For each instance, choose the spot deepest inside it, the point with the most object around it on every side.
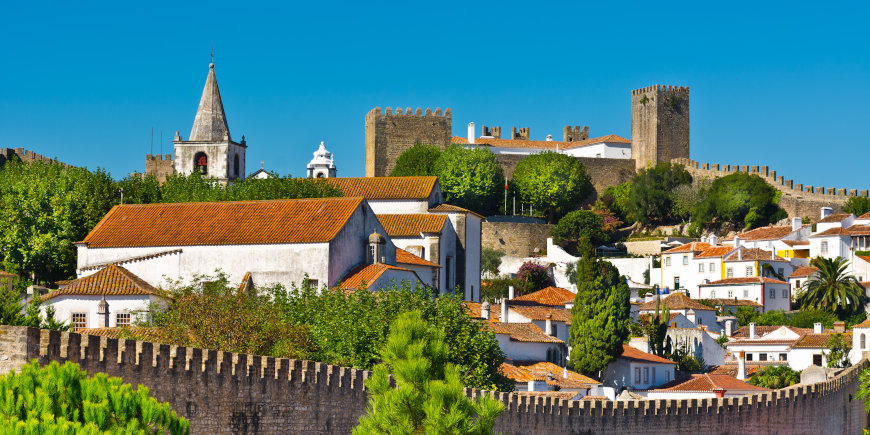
(23, 155)
(224, 393)
(388, 135)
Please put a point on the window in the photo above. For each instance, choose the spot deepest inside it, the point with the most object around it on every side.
(772, 293)
(554, 330)
(712, 294)
(236, 165)
(685, 260)
(122, 319)
(79, 321)
(797, 283)
(749, 270)
(783, 357)
(745, 293)
(637, 375)
(730, 294)
(200, 163)
(712, 267)
(780, 271)
(762, 357)
(676, 282)
(863, 342)
(373, 254)
(824, 250)
(646, 375)
(701, 267)
(729, 272)
(667, 261)
(785, 293)
(748, 357)
(817, 359)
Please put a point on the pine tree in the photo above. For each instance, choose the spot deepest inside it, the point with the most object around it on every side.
(427, 395)
(600, 316)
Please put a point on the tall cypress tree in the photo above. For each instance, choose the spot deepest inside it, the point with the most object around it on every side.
(600, 316)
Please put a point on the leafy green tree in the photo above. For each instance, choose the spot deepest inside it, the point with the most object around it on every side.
(61, 399)
(651, 200)
(832, 288)
(428, 396)
(490, 260)
(11, 313)
(139, 189)
(838, 351)
(471, 178)
(775, 377)
(741, 198)
(578, 225)
(656, 329)
(492, 290)
(553, 182)
(419, 160)
(684, 198)
(617, 198)
(857, 205)
(806, 318)
(600, 315)
(533, 277)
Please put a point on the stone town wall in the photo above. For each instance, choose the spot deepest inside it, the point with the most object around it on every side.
(515, 239)
(26, 156)
(388, 135)
(797, 199)
(603, 172)
(224, 393)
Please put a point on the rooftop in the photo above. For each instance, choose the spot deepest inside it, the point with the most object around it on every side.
(548, 296)
(676, 301)
(709, 382)
(633, 354)
(752, 254)
(733, 302)
(365, 276)
(411, 225)
(716, 251)
(771, 232)
(524, 332)
(540, 313)
(112, 280)
(745, 280)
(405, 257)
(447, 208)
(854, 230)
(689, 247)
(802, 272)
(839, 217)
(379, 188)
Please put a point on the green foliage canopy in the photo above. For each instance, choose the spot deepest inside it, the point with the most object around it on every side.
(553, 182)
(651, 197)
(857, 205)
(775, 377)
(741, 198)
(578, 225)
(419, 160)
(471, 178)
(838, 351)
(832, 288)
(490, 260)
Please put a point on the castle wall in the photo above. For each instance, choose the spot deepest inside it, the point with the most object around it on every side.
(388, 135)
(515, 239)
(160, 166)
(225, 393)
(23, 155)
(603, 172)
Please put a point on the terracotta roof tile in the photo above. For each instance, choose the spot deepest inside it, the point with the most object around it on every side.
(745, 280)
(752, 254)
(708, 382)
(865, 216)
(690, 247)
(854, 230)
(633, 354)
(548, 296)
(405, 257)
(676, 301)
(731, 369)
(366, 275)
(865, 258)
(386, 187)
(151, 334)
(540, 144)
(133, 259)
(447, 208)
(803, 271)
(794, 243)
(717, 251)
(564, 395)
(540, 313)
(525, 332)
(770, 232)
(555, 375)
(517, 374)
(864, 324)
(494, 311)
(761, 330)
(813, 340)
(110, 281)
(839, 217)
(411, 225)
(223, 223)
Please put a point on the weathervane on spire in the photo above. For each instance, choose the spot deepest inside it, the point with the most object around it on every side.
(212, 54)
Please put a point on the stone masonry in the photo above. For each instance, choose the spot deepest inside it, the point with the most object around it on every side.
(659, 124)
(161, 166)
(22, 155)
(388, 135)
(515, 239)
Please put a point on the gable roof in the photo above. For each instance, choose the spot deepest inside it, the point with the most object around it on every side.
(744, 280)
(865, 216)
(762, 330)
(523, 332)
(690, 247)
(794, 243)
(752, 254)
(475, 308)
(770, 232)
(555, 375)
(815, 341)
(112, 280)
(386, 187)
(540, 313)
(366, 275)
(447, 208)
(539, 144)
(733, 302)
(716, 251)
(405, 257)
(411, 225)
(839, 217)
(676, 301)
(854, 230)
(803, 271)
(554, 296)
(709, 382)
(633, 354)
(223, 223)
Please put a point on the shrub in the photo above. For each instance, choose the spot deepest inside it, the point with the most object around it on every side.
(857, 205)
(419, 160)
(533, 277)
(579, 225)
(470, 178)
(553, 182)
(743, 199)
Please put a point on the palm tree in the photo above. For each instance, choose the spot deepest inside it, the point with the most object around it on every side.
(832, 288)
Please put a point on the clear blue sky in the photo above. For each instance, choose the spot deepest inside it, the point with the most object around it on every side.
(785, 85)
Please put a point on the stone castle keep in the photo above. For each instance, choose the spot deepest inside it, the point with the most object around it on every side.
(225, 393)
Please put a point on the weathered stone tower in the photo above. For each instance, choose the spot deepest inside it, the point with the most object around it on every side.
(388, 135)
(659, 124)
(160, 166)
(210, 148)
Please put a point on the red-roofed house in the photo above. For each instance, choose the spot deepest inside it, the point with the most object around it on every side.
(638, 370)
(546, 376)
(610, 146)
(703, 386)
(770, 293)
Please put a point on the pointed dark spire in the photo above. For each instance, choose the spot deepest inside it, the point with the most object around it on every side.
(210, 124)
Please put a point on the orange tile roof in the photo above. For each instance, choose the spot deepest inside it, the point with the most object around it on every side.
(803, 271)
(633, 354)
(148, 333)
(731, 369)
(366, 275)
(133, 259)
(540, 313)
(770, 232)
(761, 330)
(865, 216)
(540, 144)
(690, 247)
(709, 382)
(110, 281)
(745, 280)
(839, 217)
(525, 332)
(564, 395)
(411, 225)
(864, 324)
(405, 257)
(866, 258)
(555, 375)
(447, 208)
(813, 340)
(794, 243)
(854, 230)
(494, 311)
(223, 223)
(676, 301)
(517, 374)
(548, 296)
(717, 251)
(386, 187)
(752, 254)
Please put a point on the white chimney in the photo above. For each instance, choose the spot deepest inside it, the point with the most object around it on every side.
(741, 365)
(103, 313)
(796, 223)
(504, 312)
(471, 132)
(729, 327)
(817, 328)
(549, 138)
(826, 211)
(548, 326)
(736, 241)
(510, 292)
(752, 333)
(484, 310)
(739, 254)
(690, 315)
(713, 239)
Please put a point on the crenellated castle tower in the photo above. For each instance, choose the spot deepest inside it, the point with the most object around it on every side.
(388, 135)
(659, 124)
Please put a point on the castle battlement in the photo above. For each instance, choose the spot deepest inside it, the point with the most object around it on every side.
(408, 112)
(664, 88)
(23, 155)
(158, 157)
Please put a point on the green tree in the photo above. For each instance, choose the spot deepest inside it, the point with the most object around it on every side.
(741, 198)
(139, 189)
(684, 199)
(857, 205)
(490, 260)
(578, 225)
(533, 277)
(617, 198)
(61, 399)
(419, 160)
(775, 377)
(471, 178)
(838, 351)
(806, 318)
(831, 288)
(428, 396)
(656, 329)
(553, 182)
(12, 313)
(494, 289)
(651, 200)
(600, 316)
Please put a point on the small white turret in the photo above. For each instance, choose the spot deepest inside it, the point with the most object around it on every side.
(323, 164)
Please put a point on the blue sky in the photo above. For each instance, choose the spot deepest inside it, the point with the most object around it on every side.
(787, 85)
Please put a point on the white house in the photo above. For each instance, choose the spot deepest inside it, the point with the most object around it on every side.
(638, 370)
(526, 342)
(798, 347)
(677, 303)
(771, 294)
(111, 297)
(767, 237)
(703, 386)
(428, 236)
(546, 377)
(799, 277)
(574, 144)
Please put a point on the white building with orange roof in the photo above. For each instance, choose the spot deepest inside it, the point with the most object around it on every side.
(797, 347)
(549, 377)
(703, 386)
(428, 236)
(638, 370)
(767, 237)
(772, 294)
(800, 276)
(678, 268)
(573, 144)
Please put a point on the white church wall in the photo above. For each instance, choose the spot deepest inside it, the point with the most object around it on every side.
(349, 248)
(65, 305)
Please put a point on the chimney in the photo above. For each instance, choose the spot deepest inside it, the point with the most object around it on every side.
(817, 328)
(548, 326)
(690, 315)
(741, 365)
(510, 292)
(103, 313)
(504, 311)
(736, 241)
(739, 253)
(839, 327)
(826, 211)
(713, 239)
(484, 310)
(719, 392)
(752, 333)
(729, 327)
(471, 132)
(796, 223)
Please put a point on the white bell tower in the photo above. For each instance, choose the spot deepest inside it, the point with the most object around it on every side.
(322, 165)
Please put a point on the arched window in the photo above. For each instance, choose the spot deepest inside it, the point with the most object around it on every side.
(200, 163)
(320, 175)
(863, 341)
(236, 166)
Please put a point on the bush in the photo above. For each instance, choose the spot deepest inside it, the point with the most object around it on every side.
(553, 182)
(857, 205)
(490, 260)
(419, 160)
(533, 277)
(775, 377)
(741, 198)
(579, 225)
(471, 178)
(616, 198)
(651, 200)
